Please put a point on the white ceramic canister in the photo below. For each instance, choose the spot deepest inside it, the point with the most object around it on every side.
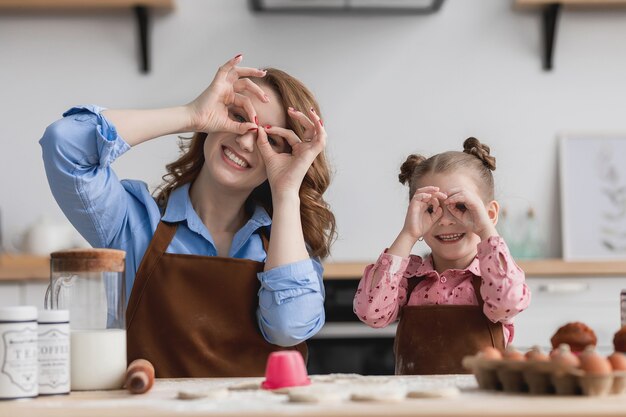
(18, 352)
(53, 327)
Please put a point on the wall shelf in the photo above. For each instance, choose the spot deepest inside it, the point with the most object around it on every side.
(379, 7)
(141, 10)
(550, 16)
(37, 268)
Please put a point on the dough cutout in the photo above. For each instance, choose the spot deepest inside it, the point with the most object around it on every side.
(211, 394)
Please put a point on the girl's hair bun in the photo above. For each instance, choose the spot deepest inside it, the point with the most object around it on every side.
(473, 146)
(407, 168)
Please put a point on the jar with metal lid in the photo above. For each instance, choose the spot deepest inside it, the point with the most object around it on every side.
(53, 329)
(18, 352)
(90, 283)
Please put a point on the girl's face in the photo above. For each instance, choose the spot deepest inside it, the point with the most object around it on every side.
(232, 160)
(453, 244)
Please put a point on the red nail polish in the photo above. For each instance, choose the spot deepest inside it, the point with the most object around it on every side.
(268, 127)
(321, 122)
(312, 109)
(237, 56)
(253, 129)
(256, 120)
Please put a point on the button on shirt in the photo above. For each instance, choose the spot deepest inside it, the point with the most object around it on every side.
(503, 287)
(78, 151)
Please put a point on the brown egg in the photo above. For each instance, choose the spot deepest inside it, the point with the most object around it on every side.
(536, 354)
(513, 354)
(563, 357)
(618, 361)
(490, 353)
(593, 363)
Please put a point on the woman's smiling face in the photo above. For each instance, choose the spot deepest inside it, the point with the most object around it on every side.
(233, 160)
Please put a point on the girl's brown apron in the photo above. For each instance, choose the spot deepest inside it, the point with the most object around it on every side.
(433, 339)
(195, 316)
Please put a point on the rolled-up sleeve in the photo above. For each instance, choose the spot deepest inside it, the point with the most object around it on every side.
(77, 152)
(291, 302)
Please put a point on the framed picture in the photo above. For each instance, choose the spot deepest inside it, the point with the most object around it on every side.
(593, 196)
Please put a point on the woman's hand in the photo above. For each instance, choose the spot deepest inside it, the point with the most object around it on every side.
(468, 208)
(424, 210)
(286, 170)
(209, 111)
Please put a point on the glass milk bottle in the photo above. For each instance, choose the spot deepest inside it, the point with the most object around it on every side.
(90, 284)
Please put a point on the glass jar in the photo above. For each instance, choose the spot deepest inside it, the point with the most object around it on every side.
(90, 283)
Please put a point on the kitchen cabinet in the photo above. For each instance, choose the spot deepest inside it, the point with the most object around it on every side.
(594, 301)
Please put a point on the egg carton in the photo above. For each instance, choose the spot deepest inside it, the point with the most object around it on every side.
(541, 378)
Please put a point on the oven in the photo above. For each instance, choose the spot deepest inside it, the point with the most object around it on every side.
(345, 344)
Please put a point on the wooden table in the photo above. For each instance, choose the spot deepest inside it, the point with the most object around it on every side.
(161, 401)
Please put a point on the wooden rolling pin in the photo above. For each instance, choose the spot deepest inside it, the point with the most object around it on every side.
(139, 376)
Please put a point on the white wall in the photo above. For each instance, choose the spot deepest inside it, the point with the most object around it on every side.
(388, 86)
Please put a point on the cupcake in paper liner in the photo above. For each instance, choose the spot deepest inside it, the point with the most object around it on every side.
(597, 374)
(537, 372)
(576, 334)
(510, 373)
(619, 340)
(564, 376)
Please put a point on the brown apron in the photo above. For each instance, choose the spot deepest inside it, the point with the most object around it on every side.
(195, 316)
(433, 339)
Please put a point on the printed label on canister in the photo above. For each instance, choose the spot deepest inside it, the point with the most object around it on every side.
(18, 377)
(54, 358)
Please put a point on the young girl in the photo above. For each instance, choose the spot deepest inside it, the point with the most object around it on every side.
(464, 295)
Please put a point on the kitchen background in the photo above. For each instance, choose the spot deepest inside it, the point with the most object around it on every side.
(388, 85)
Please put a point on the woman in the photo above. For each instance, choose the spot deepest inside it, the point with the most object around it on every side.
(212, 291)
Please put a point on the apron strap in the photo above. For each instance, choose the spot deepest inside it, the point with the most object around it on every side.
(411, 284)
(476, 281)
(264, 233)
(163, 235)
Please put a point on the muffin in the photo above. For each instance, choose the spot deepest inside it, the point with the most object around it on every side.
(577, 335)
(619, 340)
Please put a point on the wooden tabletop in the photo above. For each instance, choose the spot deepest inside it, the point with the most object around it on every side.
(162, 401)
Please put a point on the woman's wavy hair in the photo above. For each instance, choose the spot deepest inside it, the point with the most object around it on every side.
(318, 222)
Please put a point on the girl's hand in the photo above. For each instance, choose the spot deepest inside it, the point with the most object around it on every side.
(209, 111)
(424, 210)
(287, 157)
(468, 208)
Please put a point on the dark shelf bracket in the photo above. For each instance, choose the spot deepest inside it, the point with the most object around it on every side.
(143, 20)
(550, 19)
